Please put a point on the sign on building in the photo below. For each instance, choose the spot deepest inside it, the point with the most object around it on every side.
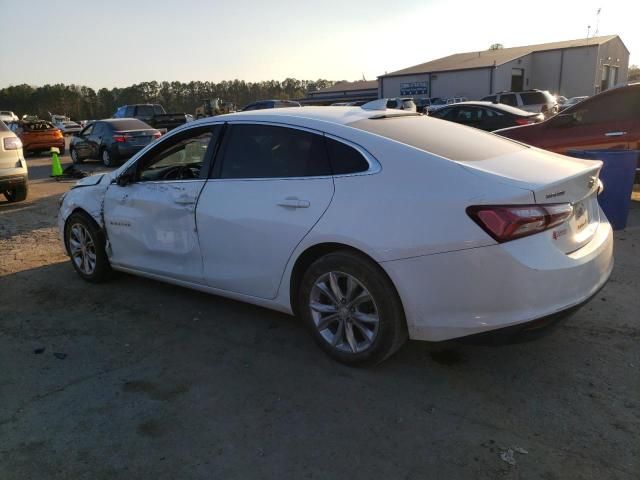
(414, 88)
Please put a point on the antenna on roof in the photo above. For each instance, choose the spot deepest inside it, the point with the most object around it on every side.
(596, 31)
(363, 77)
(588, 30)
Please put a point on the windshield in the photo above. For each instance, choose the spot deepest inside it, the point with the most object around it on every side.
(439, 101)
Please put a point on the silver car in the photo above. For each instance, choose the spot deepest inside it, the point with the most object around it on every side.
(13, 167)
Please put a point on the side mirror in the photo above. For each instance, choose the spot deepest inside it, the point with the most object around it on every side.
(125, 178)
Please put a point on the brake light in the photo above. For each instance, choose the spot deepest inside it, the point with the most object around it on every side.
(12, 143)
(523, 121)
(119, 138)
(508, 222)
(157, 135)
(58, 134)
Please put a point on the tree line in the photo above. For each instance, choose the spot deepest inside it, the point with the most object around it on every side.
(84, 103)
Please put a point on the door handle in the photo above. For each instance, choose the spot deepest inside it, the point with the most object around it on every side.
(294, 202)
(184, 200)
(615, 134)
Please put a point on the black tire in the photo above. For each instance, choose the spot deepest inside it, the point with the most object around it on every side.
(17, 194)
(107, 158)
(102, 270)
(75, 159)
(391, 326)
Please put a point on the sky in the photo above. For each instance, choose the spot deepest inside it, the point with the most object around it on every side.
(117, 43)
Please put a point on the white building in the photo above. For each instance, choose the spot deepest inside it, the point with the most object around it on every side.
(570, 68)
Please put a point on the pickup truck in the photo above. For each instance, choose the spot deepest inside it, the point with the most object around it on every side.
(152, 114)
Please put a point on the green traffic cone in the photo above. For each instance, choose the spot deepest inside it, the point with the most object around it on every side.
(56, 168)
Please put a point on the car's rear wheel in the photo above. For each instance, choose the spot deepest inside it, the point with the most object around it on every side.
(85, 243)
(74, 156)
(17, 194)
(107, 158)
(352, 308)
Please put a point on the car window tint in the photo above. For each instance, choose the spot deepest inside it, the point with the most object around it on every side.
(533, 98)
(620, 105)
(87, 131)
(178, 158)
(488, 112)
(442, 113)
(345, 159)
(509, 99)
(144, 111)
(157, 109)
(466, 114)
(266, 151)
(129, 124)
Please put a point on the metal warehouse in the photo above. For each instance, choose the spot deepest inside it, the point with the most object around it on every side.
(570, 68)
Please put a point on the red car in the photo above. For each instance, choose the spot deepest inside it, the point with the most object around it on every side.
(609, 120)
(38, 135)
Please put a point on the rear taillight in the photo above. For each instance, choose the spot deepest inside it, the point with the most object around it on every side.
(523, 121)
(508, 222)
(119, 138)
(157, 135)
(12, 143)
(58, 134)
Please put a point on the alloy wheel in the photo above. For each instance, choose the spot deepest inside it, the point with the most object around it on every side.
(82, 249)
(344, 312)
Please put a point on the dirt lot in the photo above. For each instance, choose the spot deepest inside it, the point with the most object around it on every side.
(138, 379)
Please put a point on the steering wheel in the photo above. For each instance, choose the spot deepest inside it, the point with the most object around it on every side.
(180, 172)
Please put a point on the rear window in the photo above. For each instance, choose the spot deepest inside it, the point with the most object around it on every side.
(144, 111)
(128, 124)
(38, 126)
(533, 98)
(445, 139)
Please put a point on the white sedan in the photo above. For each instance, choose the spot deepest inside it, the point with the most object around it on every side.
(373, 226)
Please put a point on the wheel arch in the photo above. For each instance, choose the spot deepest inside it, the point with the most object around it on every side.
(312, 253)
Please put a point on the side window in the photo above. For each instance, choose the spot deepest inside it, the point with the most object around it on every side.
(98, 129)
(490, 98)
(129, 112)
(345, 159)
(617, 106)
(443, 113)
(488, 112)
(120, 112)
(179, 157)
(87, 131)
(468, 114)
(266, 151)
(509, 99)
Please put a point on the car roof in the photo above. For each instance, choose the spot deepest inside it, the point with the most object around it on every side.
(496, 106)
(331, 114)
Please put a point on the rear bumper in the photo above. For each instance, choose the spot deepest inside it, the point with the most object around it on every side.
(8, 182)
(30, 147)
(125, 151)
(462, 293)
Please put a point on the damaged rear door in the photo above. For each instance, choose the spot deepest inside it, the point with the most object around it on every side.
(150, 213)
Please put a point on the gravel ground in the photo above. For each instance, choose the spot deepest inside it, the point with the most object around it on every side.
(139, 379)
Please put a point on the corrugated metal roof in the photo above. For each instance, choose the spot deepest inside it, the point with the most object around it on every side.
(349, 86)
(487, 58)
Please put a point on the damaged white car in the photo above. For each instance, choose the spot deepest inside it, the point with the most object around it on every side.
(373, 226)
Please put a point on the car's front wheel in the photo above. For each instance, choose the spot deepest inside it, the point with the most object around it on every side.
(17, 194)
(85, 243)
(352, 308)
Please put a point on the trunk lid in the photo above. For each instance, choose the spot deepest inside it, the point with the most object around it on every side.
(553, 178)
